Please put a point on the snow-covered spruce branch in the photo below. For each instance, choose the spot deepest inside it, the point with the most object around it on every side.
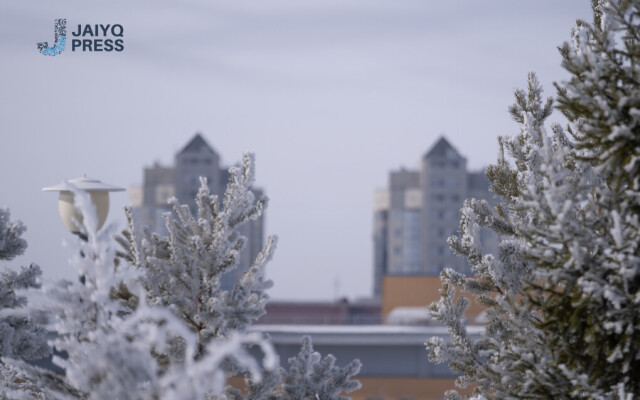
(11, 244)
(116, 352)
(153, 323)
(20, 336)
(310, 376)
(182, 270)
(562, 294)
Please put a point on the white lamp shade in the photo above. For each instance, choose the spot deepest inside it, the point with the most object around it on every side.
(70, 214)
(98, 191)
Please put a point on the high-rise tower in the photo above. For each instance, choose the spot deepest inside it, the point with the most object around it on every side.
(419, 210)
(196, 159)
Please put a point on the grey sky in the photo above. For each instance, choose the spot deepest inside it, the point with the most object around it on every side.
(330, 95)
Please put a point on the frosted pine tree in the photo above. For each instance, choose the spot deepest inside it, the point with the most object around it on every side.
(116, 351)
(182, 271)
(11, 244)
(20, 336)
(309, 377)
(154, 323)
(562, 294)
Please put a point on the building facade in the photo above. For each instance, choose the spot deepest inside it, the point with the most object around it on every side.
(395, 365)
(197, 159)
(419, 210)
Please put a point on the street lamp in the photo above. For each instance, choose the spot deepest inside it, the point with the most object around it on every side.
(98, 192)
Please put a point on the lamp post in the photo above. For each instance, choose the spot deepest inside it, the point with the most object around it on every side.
(98, 192)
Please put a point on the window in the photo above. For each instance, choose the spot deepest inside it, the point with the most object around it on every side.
(437, 182)
(191, 180)
(442, 182)
(163, 192)
(438, 233)
(396, 217)
(411, 240)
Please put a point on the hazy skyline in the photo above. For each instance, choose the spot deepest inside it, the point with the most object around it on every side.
(329, 95)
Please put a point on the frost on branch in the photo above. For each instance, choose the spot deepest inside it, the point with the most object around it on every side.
(182, 271)
(562, 294)
(11, 244)
(310, 376)
(153, 323)
(602, 60)
(115, 351)
(20, 336)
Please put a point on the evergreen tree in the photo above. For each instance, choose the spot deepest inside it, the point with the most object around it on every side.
(562, 293)
(154, 323)
(182, 270)
(11, 244)
(310, 377)
(116, 351)
(315, 378)
(20, 336)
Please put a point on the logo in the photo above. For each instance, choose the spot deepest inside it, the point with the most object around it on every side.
(86, 38)
(60, 32)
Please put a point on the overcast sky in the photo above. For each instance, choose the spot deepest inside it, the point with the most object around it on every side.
(330, 95)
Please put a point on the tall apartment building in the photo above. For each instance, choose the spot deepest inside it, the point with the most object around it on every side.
(419, 210)
(197, 159)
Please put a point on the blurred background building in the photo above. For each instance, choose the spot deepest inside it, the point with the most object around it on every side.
(419, 210)
(413, 217)
(182, 180)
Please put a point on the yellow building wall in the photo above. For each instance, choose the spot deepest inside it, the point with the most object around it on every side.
(394, 388)
(415, 291)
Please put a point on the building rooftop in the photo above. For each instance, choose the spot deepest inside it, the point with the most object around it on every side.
(197, 145)
(358, 334)
(340, 312)
(477, 180)
(442, 149)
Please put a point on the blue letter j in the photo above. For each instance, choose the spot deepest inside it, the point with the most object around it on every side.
(61, 40)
